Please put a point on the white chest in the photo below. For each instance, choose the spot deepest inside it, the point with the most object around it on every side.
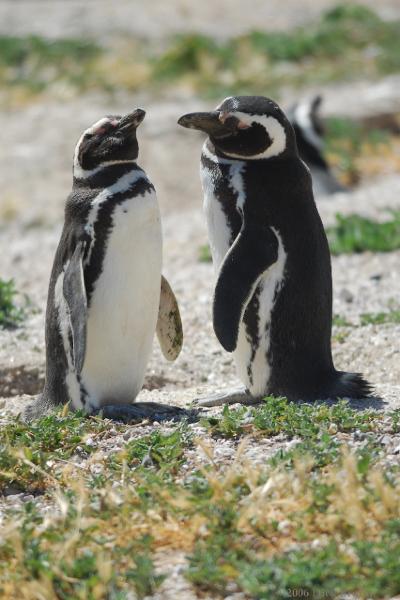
(124, 306)
(219, 231)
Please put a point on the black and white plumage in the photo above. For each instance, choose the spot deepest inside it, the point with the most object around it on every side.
(273, 297)
(309, 129)
(107, 296)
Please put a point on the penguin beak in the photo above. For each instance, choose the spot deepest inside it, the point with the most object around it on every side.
(213, 123)
(132, 120)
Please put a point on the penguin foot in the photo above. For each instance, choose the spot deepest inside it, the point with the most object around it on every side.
(153, 411)
(37, 408)
(235, 396)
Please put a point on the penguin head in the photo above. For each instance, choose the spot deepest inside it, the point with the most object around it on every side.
(246, 127)
(110, 140)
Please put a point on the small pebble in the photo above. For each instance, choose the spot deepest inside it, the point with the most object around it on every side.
(346, 295)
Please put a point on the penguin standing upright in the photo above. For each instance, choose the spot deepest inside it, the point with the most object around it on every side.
(107, 296)
(273, 297)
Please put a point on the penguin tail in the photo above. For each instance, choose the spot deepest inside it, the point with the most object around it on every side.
(351, 385)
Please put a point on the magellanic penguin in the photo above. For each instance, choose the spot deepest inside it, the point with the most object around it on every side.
(107, 296)
(273, 297)
(309, 129)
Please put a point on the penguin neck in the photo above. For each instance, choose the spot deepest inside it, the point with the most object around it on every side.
(104, 175)
(211, 152)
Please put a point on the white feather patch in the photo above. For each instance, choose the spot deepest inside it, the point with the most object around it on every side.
(123, 311)
(302, 115)
(275, 130)
(260, 368)
(120, 186)
(219, 233)
(64, 323)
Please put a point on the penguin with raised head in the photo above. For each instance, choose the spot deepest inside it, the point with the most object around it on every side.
(272, 305)
(309, 129)
(107, 296)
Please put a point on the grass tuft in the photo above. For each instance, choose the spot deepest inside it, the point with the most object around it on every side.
(28, 450)
(380, 318)
(355, 150)
(250, 63)
(359, 234)
(10, 314)
(321, 515)
(205, 253)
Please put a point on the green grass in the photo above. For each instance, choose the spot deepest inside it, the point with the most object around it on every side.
(339, 321)
(254, 61)
(350, 147)
(368, 568)
(205, 253)
(25, 450)
(278, 415)
(380, 318)
(11, 314)
(243, 526)
(359, 234)
(337, 46)
(35, 62)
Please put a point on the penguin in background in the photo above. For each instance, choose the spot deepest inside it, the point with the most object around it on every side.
(309, 129)
(272, 304)
(107, 296)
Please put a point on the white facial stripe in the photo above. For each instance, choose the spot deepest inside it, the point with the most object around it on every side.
(275, 130)
(90, 130)
(98, 125)
(121, 185)
(302, 115)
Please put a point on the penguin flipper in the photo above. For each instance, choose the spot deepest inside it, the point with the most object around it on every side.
(74, 292)
(252, 253)
(169, 324)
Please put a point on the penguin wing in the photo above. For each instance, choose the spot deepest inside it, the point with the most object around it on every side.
(169, 324)
(74, 293)
(252, 253)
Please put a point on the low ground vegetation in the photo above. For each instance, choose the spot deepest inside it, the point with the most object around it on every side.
(346, 40)
(319, 515)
